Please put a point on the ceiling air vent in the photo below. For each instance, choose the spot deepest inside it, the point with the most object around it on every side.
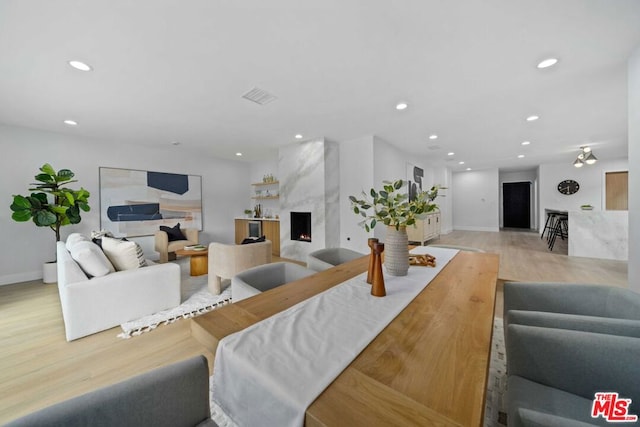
(259, 96)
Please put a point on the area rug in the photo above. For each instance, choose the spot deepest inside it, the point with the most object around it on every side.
(495, 405)
(196, 300)
(495, 413)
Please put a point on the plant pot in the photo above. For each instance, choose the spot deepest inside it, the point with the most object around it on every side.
(50, 272)
(396, 251)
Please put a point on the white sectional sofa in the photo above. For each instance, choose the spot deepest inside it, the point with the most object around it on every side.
(90, 305)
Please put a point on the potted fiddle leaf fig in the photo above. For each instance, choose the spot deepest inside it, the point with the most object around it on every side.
(50, 202)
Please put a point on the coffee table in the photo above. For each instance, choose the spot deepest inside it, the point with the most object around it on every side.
(199, 260)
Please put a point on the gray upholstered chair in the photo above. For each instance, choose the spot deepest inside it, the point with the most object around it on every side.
(225, 261)
(555, 373)
(324, 259)
(262, 278)
(167, 248)
(174, 395)
(591, 308)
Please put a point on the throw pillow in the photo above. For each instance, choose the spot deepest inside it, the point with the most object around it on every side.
(91, 259)
(174, 233)
(73, 239)
(123, 254)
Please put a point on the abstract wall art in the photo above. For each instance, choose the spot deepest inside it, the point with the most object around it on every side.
(136, 202)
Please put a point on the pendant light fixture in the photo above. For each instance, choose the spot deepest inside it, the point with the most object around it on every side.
(585, 156)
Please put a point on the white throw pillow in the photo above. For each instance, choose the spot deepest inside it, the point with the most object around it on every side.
(91, 259)
(75, 238)
(124, 255)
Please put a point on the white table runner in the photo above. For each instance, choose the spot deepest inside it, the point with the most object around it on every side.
(269, 373)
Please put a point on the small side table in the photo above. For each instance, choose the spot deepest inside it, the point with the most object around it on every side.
(199, 260)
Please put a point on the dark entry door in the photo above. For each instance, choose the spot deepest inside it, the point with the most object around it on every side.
(516, 197)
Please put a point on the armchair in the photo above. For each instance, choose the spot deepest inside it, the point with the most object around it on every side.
(555, 373)
(167, 249)
(590, 308)
(225, 261)
(172, 395)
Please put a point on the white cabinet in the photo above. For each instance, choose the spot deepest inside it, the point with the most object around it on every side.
(425, 229)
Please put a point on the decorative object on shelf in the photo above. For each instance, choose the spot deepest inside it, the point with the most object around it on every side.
(51, 204)
(377, 285)
(257, 211)
(268, 178)
(371, 241)
(248, 212)
(394, 210)
(585, 156)
(568, 187)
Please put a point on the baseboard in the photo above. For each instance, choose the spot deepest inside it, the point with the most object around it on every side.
(464, 228)
(10, 279)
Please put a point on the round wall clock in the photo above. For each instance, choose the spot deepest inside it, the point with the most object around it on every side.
(568, 187)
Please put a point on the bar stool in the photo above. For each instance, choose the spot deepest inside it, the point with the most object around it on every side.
(548, 224)
(560, 228)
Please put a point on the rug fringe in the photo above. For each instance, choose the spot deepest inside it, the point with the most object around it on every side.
(186, 315)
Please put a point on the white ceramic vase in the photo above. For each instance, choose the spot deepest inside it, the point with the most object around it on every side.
(396, 251)
(50, 272)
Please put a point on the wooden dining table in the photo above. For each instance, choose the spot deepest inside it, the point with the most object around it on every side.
(429, 366)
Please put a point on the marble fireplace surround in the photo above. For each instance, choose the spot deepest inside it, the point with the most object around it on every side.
(309, 182)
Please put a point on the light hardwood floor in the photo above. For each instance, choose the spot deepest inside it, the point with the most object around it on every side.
(39, 367)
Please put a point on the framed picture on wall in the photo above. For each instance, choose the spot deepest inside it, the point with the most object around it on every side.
(414, 180)
(137, 202)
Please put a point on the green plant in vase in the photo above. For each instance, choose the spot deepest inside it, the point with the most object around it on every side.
(391, 207)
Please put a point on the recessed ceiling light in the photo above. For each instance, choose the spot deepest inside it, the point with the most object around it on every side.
(401, 106)
(434, 136)
(450, 153)
(238, 154)
(468, 169)
(298, 136)
(79, 65)
(71, 122)
(520, 156)
(525, 143)
(548, 62)
(461, 163)
(586, 149)
(532, 118)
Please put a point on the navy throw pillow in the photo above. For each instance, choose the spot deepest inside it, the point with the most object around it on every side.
(174, 233)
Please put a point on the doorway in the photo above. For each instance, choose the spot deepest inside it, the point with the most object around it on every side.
(516, 204)
(616, 189)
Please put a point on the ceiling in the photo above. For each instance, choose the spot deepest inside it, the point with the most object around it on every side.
(166, 71)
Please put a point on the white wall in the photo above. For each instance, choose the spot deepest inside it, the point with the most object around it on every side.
(225, 185)
(634, 173)
(591, 179)
(520, 176)
(367, 161)
(476, 200)
(356, 175)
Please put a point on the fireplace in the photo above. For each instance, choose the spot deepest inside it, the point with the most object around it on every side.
(301, 226)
